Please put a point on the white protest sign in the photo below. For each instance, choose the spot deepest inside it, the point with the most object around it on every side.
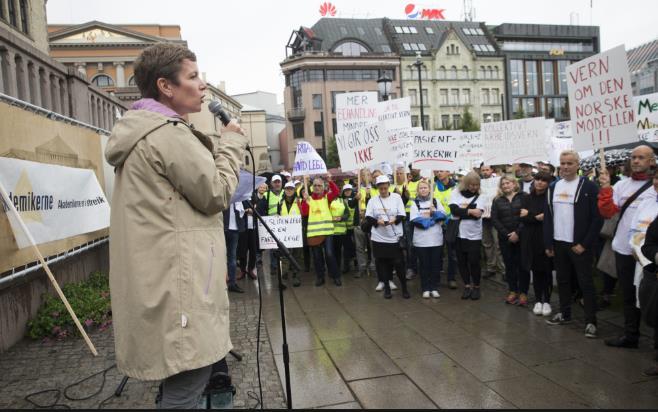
(307, 161)
(55, 202)
(355, 110)
(515, 141)
(560, 141)
(398, 148)
(436, 150)
(357, 148)
(648, 135)
(601, 101)
(488, 191)
(287, 228)
(646, 111)
(395, 114)
(470, 150)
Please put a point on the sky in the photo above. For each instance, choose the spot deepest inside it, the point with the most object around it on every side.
(242, 42)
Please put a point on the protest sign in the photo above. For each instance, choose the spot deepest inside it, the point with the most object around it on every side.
(246, 186)
(470, 150)
(357, 148)
(395, 114)
(648, 135)
(55, 202)
(436, 150)
(488, 191)
(646, 111)
(560, 141)
(287, 228)
(515, 141)
(355, 110)
(398, 148)
(601, 101)
(307, 161)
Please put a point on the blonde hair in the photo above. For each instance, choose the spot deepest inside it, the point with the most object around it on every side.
(470, 178)
(510, 178)
(573, 153)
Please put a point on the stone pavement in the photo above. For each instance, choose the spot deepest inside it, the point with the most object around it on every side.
(32, 366)
(350, 348)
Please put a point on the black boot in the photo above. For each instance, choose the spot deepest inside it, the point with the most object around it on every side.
(387, 291)
(467, 293)
(403, 283)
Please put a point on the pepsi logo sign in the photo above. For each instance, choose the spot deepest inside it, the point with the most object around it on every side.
(414, 11)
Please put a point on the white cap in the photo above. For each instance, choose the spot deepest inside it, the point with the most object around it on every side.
(348, 186)
(382, 179)
(276, 177)
(297, 182)
(289, 185)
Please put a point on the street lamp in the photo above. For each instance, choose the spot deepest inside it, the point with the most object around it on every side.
(419, 64)
(384, 86)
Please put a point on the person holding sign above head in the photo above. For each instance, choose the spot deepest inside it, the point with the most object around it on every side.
(571, 224)
(321, 229)
(384, 217)
(426, 215)
(290, 205)
(466, 207)
(623, 200)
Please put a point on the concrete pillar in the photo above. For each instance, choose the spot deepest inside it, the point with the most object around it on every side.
(63, 97)
(54, 93)
(22, 86)
(33, 80)
(10, 84)
(121, 74)
(44, 88)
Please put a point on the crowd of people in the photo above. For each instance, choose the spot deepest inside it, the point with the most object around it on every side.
(518, 223)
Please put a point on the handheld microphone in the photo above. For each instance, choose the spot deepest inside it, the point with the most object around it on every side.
(216, 109)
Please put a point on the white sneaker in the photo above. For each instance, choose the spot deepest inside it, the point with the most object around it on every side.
(435, 294)
(590, 331)
(380, 287)
(392, 285)
(537, 309)
(546, 309)
(426, 295)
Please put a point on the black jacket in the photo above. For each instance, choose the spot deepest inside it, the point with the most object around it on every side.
(505, 215)
(650, 247)
(587, 220)
(533, 255)
(240, 221)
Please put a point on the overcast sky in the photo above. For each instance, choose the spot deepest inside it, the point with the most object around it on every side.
(242, 42)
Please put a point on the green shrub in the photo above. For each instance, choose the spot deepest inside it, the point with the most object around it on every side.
(90, 300)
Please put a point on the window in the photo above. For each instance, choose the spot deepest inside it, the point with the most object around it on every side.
(481, 73)
(489, 73)
(359, 75)
(543, 46)
(464, 73)
(454, 97)
(531, 85)
(313, 75)
(351, 48)
(453, 72)
(530, 107)
(495, 94)
(413, 30)
(414, 121)
(317, 101)
(414, 73)
(103, 80)
(317, 128)
(131, 81)
(429, 30)
(466, 97)
(413, 97)
(398, 29)
(445, 121)
(12, 13)
(486, 118)
(484, 96)
(562, 73)
(426, 122)
(443, 97)
(298, 130)
(548, 77)
(426, 99)
(2, 9)
(456, 121)
(406, 30)
(406, 46)
(334, 126)
(441, 73)
(333, 101)
(496, 117)
(516, 74)
(22, 4)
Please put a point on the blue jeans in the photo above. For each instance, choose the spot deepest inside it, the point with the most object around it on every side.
(325, 253)
(430, 261)
(232, 237)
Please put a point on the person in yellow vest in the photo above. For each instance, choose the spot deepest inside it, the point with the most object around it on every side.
(349, 252)
(272, 198)
(443, 186)
(321, 225)
(290, 205)
(341, 214)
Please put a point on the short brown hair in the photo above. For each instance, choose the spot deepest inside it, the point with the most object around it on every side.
(162, 60)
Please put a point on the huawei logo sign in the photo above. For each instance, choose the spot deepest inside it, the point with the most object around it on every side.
(327, 9)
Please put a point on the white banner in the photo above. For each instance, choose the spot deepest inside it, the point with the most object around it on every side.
(560, 141)
(470, 150)
(436, 150)
(55, 202)
(287, 228)
(307, 161)
(355, 110)
(489, 191)
(395, 114)
(358, 148)
(646, 111)
(601, 101)
(399, 148)
(515, 141)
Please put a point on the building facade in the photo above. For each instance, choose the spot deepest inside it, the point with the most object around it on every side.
(26, 20)
(536, 57)
(643, 65)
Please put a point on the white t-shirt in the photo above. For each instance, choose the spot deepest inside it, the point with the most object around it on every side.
(563, 214)
(433, 236)
(622, 190)
(386, 209)
(526, 186)
(470, 229)
(232, 223)
(646, 213)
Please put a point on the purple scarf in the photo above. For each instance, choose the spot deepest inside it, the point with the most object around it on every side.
(153, 105)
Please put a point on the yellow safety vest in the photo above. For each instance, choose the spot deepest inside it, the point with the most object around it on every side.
(443, 197)
(320, 221)
(412, 189)
(350, 222)
(293, 211)
(273, 201)
(362, 203)
(338, 210)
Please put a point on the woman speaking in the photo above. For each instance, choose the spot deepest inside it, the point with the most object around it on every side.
(167, 249)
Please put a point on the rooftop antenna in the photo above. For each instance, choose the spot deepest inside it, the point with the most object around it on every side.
(469, 10)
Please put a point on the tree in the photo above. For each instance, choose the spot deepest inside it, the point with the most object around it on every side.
(332, 159)
(520, 114)
(469, 124)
